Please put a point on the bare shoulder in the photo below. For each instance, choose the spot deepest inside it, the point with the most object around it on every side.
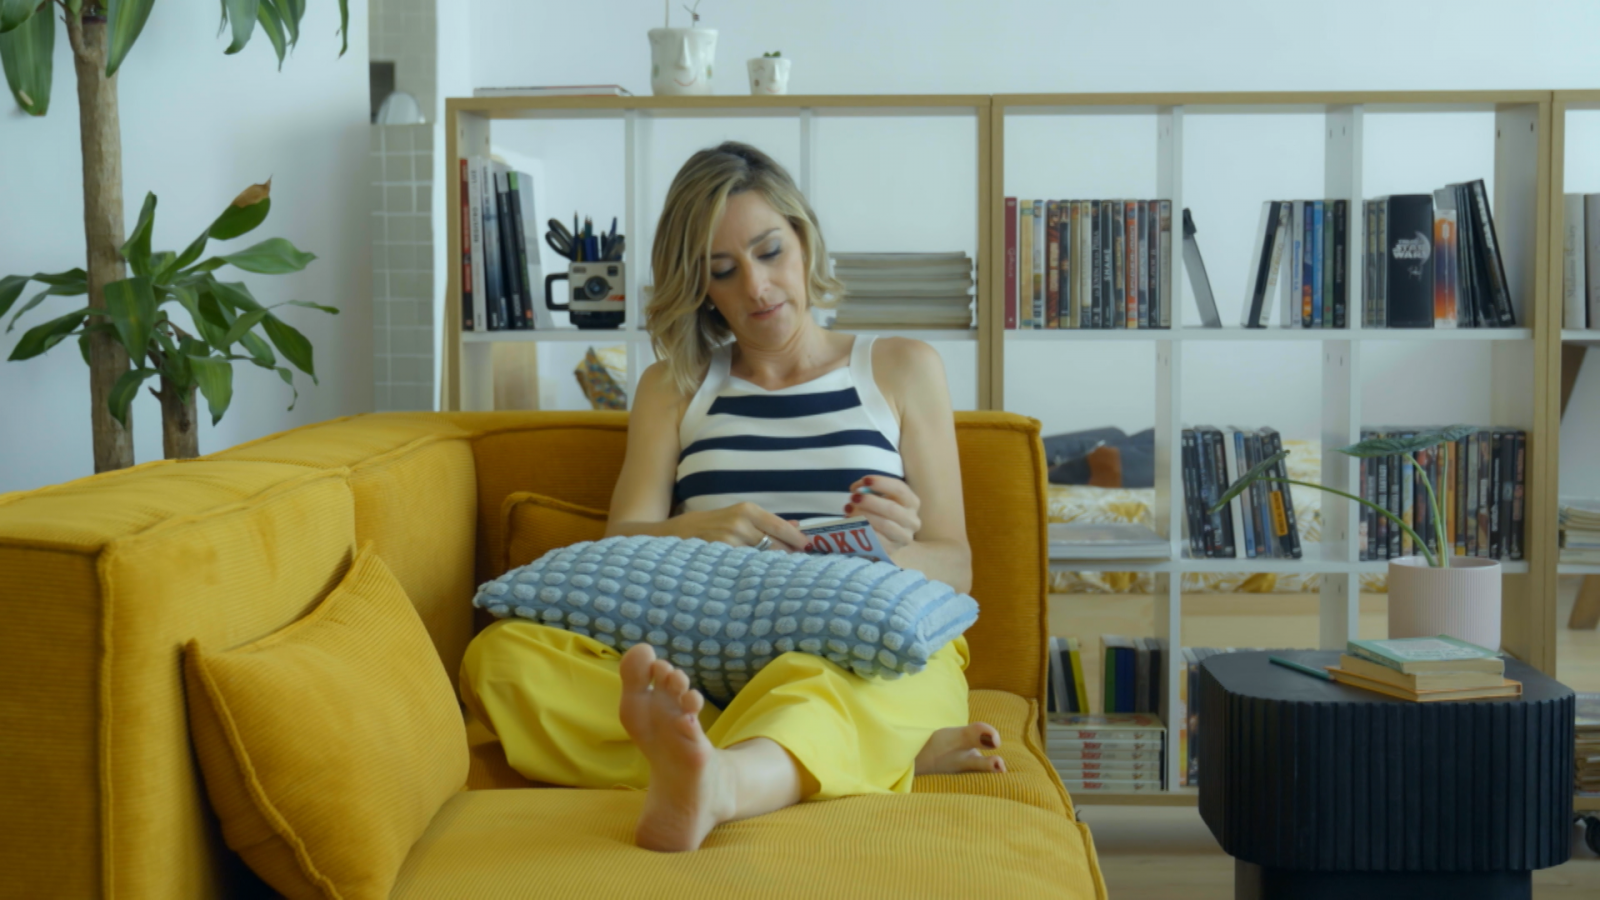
(908, 371)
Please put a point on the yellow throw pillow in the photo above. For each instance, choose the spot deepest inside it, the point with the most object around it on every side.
(329, 746)
(536, 524)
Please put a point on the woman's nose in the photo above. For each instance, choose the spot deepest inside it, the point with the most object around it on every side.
(755, 280)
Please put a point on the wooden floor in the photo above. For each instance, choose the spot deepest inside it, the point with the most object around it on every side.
(1153, 853)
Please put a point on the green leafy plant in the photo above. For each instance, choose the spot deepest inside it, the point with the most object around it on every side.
(773, 55)
(224, 316)
(1371, 447)
(122, 325)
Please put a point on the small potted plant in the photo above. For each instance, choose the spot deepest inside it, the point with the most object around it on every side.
(1432, 593)
(769, 74)
(681, 58)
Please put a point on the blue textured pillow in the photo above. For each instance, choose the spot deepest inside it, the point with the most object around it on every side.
(721, 612)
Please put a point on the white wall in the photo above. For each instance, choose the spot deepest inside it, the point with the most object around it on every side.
(198, 127)
(899, 185)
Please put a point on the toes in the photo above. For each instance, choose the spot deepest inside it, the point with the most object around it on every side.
(659, 671)
(675, 683)
(637, 665)
(691, 702)
(998, 764)
(982, 734)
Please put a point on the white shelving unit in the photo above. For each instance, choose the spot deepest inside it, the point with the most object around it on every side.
(1521, 125)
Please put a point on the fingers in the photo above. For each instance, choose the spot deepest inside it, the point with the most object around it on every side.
(884, 509)
(891, 488)
(782, 531)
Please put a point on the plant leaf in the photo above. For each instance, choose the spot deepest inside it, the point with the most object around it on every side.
(288, 378)
(1394, 446)
(1265, 467)
(189, 299)
(260, 350)
(292, 11)
(10, 289)
(215, 377)
(26, 53)
(246, 211)
(330, 310)
(136, 250)
(161, 265)
(131, 306)
(63, 279)
(123, 392)
(189, 255)
(15, 12)
(344, 25)
(126, 20)
(242, 325)
(292, 344)
(40, 338)
(242, 13)
(272, 23)
(92, 329)
(234, 294)
(274, 256)
(39, 298)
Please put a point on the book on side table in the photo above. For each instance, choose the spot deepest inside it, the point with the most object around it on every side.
(1425, 670)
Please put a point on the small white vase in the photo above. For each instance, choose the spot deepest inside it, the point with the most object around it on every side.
(681, 61)
(1462, 601)
(769, 75)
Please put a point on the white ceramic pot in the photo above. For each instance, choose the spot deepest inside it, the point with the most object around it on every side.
(769, 75)
(681, 61)
(1462, 601)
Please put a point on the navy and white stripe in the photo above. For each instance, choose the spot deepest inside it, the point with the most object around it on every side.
(795, 451)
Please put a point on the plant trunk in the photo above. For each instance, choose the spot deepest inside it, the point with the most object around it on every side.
(180, 430)
(101, 133)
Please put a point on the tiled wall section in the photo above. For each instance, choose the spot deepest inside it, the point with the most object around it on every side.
(402, 266)
(403, 32)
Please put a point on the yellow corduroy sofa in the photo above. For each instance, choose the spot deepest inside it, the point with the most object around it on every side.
(104, 579)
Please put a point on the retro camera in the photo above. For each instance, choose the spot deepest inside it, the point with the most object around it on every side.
(597, 292)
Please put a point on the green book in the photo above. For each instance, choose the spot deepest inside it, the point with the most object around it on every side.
(1441, 653)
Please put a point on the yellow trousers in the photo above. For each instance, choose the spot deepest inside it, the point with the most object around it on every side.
(552, 699)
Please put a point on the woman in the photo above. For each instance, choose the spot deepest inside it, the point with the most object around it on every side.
(753, 419)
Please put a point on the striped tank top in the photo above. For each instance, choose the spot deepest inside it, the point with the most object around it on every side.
(794, 451)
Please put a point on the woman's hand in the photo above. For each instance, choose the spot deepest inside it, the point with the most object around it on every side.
(890, 505)
(742, 525)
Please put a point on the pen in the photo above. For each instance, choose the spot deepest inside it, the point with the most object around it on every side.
(1315, 673)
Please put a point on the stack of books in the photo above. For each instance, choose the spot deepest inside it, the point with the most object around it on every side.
(1433, 261)
(1106, 752)
(1068, 693)
(1580, 276)
(1579, 521)
(1088, 264)
(1106, 540)
(1587, 749)
(555, 90)
(1425, 670)
(904, 290)
(1260, 522)
(1481, 480)
(502, 284)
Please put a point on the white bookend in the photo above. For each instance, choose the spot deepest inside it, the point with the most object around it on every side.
(1574, 297)
(480, 288)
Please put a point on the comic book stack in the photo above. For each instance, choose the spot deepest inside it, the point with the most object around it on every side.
(1114, 753)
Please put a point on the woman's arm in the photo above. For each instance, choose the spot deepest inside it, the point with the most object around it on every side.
(914, 380)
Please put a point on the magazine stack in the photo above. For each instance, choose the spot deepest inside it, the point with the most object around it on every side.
(1119, 752)
(904, 290)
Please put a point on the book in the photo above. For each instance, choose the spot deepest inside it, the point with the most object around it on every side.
(1409, 274)
(1340, 263)
(555, 90)
(1025, 266)
(1445, 314)
(1106, 540)
(528, 211)
(1105, 726)
(1164, 262)
(1052, 263)
(470, 315)
(1507, 688)
(1492, 264)
(1441, 653)
(1284, 525)
(1419, 681)
(1199, 282)
(1011, 263)
(1036, 313)
(1266, 254)
(1109, 786)
(1058, 694)
(516, 242)
(1574, 269)
(1591, 256)
(484, 311)
(493, 268)
(1063, 755)
(850, 536)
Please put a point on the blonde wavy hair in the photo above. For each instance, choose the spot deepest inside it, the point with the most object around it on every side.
(684, 327)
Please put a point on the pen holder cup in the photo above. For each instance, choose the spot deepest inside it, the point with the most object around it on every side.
(598, 298)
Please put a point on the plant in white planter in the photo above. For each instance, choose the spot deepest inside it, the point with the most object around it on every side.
(681, 58)
(769, 74)
(1430, 594)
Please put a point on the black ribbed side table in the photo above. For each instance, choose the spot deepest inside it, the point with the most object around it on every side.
(1321, 790)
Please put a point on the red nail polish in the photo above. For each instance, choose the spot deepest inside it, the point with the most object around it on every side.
(987, 741)
(855, 498)
(866, 481)
(848, 507)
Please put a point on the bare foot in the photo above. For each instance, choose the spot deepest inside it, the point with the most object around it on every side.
(952, 750)
(690, 788)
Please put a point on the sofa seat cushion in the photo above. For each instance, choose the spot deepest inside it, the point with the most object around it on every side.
(579, 843)
(1028, 778)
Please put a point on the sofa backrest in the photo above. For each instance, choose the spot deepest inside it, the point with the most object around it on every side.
(105, 578)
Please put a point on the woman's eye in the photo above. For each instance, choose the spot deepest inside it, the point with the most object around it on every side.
(769, 255)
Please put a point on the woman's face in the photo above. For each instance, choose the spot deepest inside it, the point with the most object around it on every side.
(758, 270)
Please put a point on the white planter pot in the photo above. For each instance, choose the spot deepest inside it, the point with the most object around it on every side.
(1462, 601)
(769, 75)
(681, 61)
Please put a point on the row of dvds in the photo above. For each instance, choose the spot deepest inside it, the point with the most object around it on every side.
(1088, 264)
(1260, 521)
(1433, 261)
(1480, 481)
